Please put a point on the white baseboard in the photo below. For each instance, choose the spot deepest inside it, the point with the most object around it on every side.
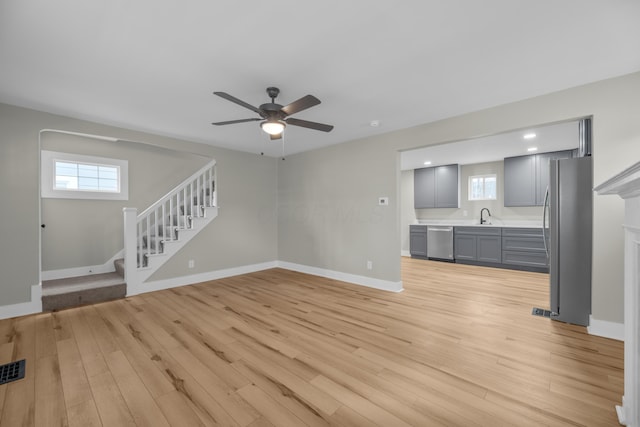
(64, 273)
(35, 305)
(235, 271)
(24, 308)
(158, 285)
(405, 253)
(369, 282)
(606, 329)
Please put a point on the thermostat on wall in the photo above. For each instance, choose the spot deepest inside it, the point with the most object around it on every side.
(383, 201)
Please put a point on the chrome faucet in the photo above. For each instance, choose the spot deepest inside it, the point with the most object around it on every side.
(482, 220)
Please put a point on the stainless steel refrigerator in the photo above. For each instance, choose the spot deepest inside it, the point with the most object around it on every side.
(567, 224)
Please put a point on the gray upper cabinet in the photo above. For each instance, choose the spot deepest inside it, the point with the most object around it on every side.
(447, 186)
(436, 187)
(424, 188)
(520, 181)
(526, 178)
(542, 171)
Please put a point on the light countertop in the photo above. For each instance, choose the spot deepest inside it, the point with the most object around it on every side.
(494, 222)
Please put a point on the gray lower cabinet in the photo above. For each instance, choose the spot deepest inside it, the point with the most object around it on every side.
(418, 241)
(436, 187)
(478, 244)
(524, 247)
(507, 247)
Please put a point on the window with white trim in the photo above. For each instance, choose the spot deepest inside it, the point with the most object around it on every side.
(74, 176)
(482, 187)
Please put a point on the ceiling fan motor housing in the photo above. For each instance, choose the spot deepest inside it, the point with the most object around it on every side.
(272, 111)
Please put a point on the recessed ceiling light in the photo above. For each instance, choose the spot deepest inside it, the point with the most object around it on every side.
(374, 123)
(532, 149)
(427, 163)
(529, 135)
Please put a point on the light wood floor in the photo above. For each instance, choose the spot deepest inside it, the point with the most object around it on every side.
(459, 347)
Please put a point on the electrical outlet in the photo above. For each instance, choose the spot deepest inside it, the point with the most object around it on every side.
(465, 213)
(383, 201)
(192, 263)
(369, 265)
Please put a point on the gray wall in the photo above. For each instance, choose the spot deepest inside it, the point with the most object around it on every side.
(328, 209)
(407, 212)
(315, 187)
(244, 233)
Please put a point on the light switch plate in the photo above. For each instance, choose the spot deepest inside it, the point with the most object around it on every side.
(383, 201)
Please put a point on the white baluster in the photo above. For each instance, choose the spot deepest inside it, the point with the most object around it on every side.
(191, 199)
(157, 232)
(164, 222)
(171, 216)
(199, 190)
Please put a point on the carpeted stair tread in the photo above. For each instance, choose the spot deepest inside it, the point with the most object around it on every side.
(72, 284)
(75, 291)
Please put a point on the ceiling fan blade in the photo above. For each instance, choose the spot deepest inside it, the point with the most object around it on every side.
(236, 101)
(308, 124)
(301, 104)
(274, 137)
(231, 122)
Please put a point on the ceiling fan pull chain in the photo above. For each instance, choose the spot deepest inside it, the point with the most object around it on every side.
(283, 147)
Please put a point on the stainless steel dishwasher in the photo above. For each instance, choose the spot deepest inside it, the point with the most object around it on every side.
(440, 242)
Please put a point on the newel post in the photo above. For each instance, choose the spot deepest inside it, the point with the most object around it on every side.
(130, 250)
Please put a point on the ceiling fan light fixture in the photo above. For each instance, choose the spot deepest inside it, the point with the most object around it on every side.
(272, 127)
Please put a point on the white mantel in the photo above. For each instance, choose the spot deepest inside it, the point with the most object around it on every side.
(627, 185)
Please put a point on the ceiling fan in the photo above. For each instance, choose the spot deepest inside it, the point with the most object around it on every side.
(274, 116)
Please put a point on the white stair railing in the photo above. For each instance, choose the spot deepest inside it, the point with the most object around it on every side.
(148, 234)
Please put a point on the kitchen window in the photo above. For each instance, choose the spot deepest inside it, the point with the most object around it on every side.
(73, 176)
(482, 187)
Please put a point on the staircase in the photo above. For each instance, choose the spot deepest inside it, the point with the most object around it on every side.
(151, 238)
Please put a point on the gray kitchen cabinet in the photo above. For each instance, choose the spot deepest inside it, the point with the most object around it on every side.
(424, 188)
(520, 181)
(543, 170)
(524, 248)
(526, 178)
(436, 187)
(447, 186)
(478, 244)
(418, 241)
(464, 247)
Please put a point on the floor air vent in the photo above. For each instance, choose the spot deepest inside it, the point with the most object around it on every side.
(540, 312)
(12, 371)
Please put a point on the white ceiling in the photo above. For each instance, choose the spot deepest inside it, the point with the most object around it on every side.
(555, 137)
(152, 65)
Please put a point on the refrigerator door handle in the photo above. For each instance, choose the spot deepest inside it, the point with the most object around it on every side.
(545, 208)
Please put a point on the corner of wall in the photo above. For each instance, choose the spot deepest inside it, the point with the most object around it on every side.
(370, 282)
(24, 308)
(606, 329)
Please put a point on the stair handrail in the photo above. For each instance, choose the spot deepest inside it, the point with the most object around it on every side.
(179, 187)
